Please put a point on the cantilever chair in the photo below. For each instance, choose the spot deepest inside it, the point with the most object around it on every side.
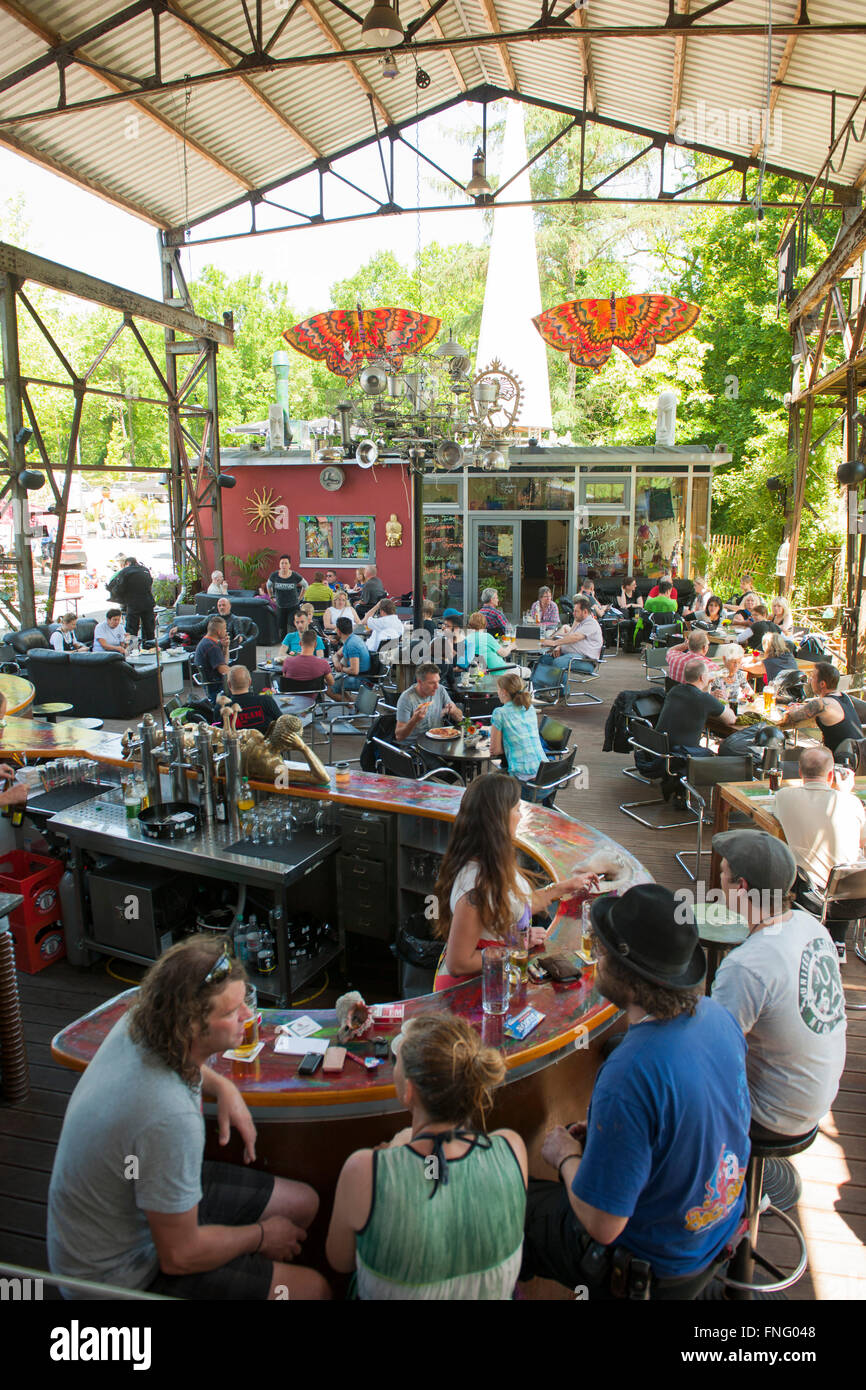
(707, 773)
(392, 761)
(645, 739)
(552, 775)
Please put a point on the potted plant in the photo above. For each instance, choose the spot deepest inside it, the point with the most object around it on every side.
(250, 569)
(165, 590)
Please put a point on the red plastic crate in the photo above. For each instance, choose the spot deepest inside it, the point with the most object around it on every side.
(36, 878)
(37, 947)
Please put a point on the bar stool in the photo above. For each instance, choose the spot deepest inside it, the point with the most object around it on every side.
(742, 1267)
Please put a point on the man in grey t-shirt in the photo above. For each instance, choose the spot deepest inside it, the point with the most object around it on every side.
(425, 705)
(130, 1203)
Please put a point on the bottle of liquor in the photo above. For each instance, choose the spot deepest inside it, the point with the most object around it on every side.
(267, 962)
(253, 943)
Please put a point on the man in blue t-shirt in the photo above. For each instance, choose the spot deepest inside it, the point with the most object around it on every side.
(292, 639)
(651, 1186)
(352, 661)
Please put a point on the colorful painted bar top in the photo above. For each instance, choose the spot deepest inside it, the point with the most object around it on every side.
(559, 845)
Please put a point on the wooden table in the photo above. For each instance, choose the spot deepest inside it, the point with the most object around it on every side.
(755, 800)
(18, 691)
(775, 716)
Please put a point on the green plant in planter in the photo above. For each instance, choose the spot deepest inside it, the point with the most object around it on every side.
(165, 589)
(250, 569)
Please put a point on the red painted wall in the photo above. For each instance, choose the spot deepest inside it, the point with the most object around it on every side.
(373, 492)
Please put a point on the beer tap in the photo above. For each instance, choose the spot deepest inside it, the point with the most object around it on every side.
(205, 762)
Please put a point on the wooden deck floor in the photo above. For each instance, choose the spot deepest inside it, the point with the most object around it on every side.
(831, 1213)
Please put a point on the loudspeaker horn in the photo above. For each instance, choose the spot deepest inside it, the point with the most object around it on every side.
(366, 453)
(449, 454)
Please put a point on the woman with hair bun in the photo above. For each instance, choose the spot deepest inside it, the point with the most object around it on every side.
(482, 899)
(438, 1213)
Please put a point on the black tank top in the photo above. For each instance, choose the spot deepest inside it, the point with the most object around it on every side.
(850, 727)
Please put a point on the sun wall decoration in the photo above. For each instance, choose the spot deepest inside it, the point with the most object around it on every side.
(587, 329)
(265, 510)
(344, 339)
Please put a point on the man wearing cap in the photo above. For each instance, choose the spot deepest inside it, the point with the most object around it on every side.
(783, 987)
(650, 1189)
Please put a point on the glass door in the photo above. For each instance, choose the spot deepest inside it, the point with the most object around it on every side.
(495, 557)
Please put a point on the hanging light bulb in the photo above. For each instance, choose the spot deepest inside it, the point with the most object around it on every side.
(382, 27)
(478, 187)
(389, 66)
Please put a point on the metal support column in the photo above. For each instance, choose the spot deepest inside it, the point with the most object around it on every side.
(213, 407)
(417, 541)
(15, 448)
(175, 482)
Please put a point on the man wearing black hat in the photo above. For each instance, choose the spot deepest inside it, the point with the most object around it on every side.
(650, 1189)
(783, 987)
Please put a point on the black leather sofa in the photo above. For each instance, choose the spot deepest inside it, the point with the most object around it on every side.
(94, 683)
(245, 604)
(608, 589)
(192, 629)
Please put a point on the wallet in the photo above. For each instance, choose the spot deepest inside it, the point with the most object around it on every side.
(560, 968)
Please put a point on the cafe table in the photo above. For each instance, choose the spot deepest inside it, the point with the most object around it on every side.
(806, 732)
(469, 760)
(18, 691)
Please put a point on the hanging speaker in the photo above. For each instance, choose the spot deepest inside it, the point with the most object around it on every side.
(449, 454)
(366, 453)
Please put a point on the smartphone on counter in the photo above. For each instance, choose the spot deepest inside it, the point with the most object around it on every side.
(310, 1063)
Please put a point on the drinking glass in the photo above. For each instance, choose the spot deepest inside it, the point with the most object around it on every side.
(768, 701)
(494, 979)
(251, 1025)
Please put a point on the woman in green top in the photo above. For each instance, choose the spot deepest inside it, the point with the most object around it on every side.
(437, 1213)
(481, 643)
(662, 603)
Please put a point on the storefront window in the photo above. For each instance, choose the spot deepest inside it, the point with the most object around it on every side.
(602, 546)
(443, 561)
(660, 523)
(698, 536)
(517, 494)
(437, 492)
(611, 494)
(337, 538)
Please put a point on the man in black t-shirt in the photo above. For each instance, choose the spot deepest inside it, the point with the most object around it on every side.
(760, 625)
(687, 707)
(211, 658)
(286, 588)
(256, 711)
(133, 588)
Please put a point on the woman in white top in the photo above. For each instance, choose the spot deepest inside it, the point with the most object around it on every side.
(780, 614)
(64, 639)
(483, 900)
(218, 583)
(731, 684)
(341, 608)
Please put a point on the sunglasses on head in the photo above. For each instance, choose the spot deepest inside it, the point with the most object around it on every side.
(219, 971)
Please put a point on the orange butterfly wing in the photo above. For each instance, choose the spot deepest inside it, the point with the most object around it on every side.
(344, 338)
(585, 329)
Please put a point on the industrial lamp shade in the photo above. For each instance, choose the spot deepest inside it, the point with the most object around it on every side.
(382, 27)
(226, 480)
(478, 187)
(851, 473)
(373, 379)
(31, 479)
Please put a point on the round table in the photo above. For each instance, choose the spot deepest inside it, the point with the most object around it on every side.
(51, 711)
(719, 930)
(469, 762)
(18, 691)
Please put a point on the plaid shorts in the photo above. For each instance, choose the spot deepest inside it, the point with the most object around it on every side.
(231, 1196)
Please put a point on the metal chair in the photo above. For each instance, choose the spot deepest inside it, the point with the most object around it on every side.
(645, 739)
(392, 761)
(845, 901)
(707, 773)
(554, 735)
(575, 680)
(655, 659)
(546, 683)
(367, 707)
(662, 633)
(259, 681)
(552, 775)
(312, 698)
(742, 1266)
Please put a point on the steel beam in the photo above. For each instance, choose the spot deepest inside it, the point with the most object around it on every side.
(24, 265)
(15, 447)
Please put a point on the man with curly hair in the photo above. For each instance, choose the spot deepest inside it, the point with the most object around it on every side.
(650, 1187)
(131, 1202)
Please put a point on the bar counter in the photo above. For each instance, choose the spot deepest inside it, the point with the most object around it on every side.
(550, 1073)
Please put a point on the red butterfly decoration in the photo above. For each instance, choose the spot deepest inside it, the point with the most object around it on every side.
(345, 338)
(587, 329)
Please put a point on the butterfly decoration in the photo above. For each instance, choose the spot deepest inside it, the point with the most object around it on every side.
(345, 338)
(587, 329)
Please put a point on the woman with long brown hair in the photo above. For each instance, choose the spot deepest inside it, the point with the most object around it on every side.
(437, 1213)
(482, 898)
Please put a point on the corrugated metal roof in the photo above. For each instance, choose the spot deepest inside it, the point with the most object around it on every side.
(179, 155)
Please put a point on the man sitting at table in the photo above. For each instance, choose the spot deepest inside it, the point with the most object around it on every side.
(425, 705)
(649, 1189)
(319, 591)
(830, 709)
(783, 987)
(372, 591)
(494, 618)
(823, 824)
(687, 707)
(583, 640)
(212, 658)
(292, 639)
(110, 635)
(382, 624)
(256, 711)
(661, 599)
(131, 1202)
(760, 625)
(351, 660)
(696, 644)
(587, 591)
(307, 665)
(664, 585)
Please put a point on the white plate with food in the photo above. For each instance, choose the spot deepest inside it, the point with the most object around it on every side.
(443, 733)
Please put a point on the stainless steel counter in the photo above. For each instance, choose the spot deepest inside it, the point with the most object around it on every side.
(101, 824)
